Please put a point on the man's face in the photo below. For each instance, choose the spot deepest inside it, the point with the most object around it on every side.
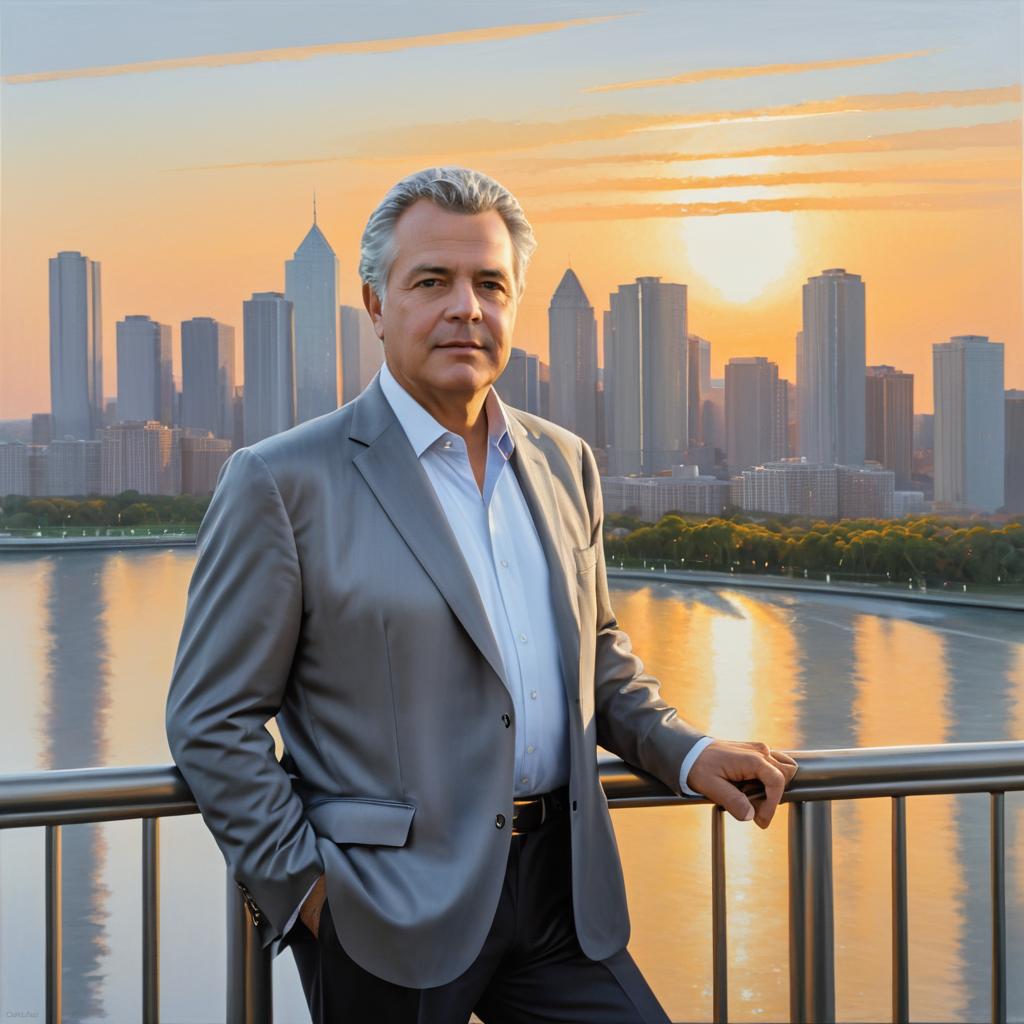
(450, 309)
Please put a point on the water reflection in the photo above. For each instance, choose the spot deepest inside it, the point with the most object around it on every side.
(91, 639)
(73, 735)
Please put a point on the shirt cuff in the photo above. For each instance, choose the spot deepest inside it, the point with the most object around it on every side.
(695, 751)
(295, 913)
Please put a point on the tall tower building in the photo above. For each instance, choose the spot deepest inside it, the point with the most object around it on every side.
(361, 351)
(145, 387)
(311, 285)
(647, 351)
(207, 375)
(572, 341)
(831, 363)
(751, 412)
(889, 421)
(970, 437)
(1014, 458)
(269, 357)
(698, 384)
(76, 346)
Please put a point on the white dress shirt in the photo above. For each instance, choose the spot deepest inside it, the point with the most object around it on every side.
(498, 539)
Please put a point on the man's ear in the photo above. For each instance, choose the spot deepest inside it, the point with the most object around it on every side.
(373, 307)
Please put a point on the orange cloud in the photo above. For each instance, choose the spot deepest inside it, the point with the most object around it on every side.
(296, 53)
(850, 105)
(756, 70)
(486, 136)
(972, 172)
(992, 134)
(910, 201)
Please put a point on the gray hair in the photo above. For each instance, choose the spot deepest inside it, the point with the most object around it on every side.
(457, 189)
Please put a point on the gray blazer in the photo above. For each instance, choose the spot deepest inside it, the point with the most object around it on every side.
(329, 591)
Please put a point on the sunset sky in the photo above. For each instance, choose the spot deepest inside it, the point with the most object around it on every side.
(736, 147)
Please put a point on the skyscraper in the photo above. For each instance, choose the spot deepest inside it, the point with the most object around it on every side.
(1014, 459)
(698, 383)
(647, 350)
(830, 361)
(751, 407)
(572, 340)
(76, 346)
(889, 421)
(311, 285)
(207, 375)
(970, 436)
(145, 388)
(513, 384)
(269, 356)
(361, 351)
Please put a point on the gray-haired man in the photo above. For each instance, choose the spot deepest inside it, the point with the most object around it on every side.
(415, 586)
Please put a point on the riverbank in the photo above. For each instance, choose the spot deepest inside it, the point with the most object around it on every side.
(22, 545)
(890, 592)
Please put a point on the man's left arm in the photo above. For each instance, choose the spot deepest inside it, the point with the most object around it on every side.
(635, 722)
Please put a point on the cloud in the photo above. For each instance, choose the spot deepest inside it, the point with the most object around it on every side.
(757, 70)
(921, 201)
(973, 173)
(452, 141)
(297, 53)
(991, 134)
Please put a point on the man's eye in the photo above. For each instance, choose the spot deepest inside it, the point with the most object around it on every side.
(494, 285)
(428, 281)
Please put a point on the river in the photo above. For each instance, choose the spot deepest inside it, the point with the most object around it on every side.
(88, 641)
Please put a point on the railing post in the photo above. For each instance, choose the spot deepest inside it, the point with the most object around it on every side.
(150, 921)
(997, 840)
(812, 998)
(249, 989)
(720, 949)
(54, 920)
(900, 932)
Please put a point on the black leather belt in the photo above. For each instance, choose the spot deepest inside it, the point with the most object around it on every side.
(530, 813)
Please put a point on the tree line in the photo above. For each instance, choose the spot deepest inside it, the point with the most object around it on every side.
(126, 509)
(918, 548)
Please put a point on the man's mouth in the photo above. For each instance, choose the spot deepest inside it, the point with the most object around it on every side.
(461, 344)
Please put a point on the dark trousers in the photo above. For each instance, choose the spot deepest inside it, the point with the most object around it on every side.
(531, 969)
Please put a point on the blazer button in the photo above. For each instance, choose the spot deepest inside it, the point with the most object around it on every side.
(507, 720)
(499, 821)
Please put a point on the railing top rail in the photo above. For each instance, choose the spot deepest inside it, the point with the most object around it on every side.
(70, 796)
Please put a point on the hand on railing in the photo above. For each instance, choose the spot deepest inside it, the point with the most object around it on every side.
(728, 772)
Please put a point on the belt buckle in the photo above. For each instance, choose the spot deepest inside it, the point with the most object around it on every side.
(543, 809)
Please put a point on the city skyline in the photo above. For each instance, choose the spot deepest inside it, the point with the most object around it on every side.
(633, 154)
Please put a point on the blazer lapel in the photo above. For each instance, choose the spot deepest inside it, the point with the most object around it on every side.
(534, 475)
(391, 470)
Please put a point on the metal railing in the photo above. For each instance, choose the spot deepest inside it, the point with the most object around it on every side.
(57, 798)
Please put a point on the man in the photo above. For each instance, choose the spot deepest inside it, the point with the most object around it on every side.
(414, 585)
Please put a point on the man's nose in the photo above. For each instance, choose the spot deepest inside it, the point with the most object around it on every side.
(463, 302)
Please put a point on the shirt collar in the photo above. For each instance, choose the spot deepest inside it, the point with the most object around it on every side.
(423, 430)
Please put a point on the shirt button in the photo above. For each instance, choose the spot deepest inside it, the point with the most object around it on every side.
(533, 694)
(446, 444)
(525, 778)
(522, 637)
(506, 720)
(504, 563)
(529, 750)
(499, 821)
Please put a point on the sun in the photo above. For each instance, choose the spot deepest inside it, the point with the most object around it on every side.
(740, 254)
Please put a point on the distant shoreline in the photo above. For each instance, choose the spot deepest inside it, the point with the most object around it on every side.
(892, 592)
(15, 545)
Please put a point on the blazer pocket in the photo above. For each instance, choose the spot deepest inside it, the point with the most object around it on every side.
(357, 819)
(586, 558)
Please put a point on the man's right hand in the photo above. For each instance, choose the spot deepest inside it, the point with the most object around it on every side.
(309, 912)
